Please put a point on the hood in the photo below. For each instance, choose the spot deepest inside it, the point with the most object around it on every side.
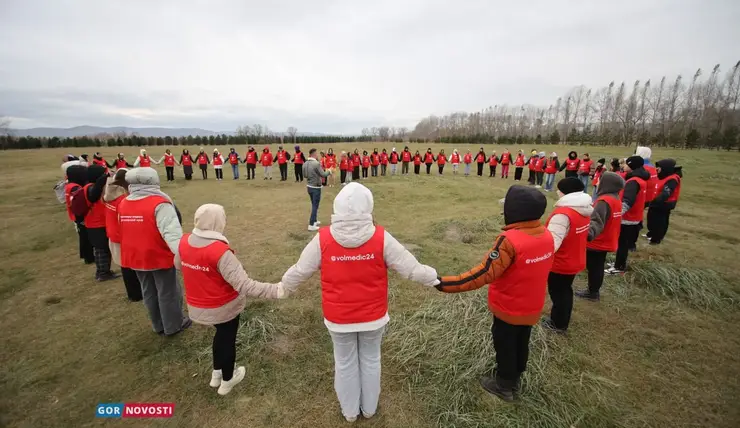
(643, 152)
(572, 154)
(667, 167)
(579, 201)
(210, 222)
(352, 222)
(394, 149)
(523, 203)
(77, 174)
(146, 176)
(610, 183)
(640, 172)
(142, 152)
(113, 190)
(94, 172)
(541, 154)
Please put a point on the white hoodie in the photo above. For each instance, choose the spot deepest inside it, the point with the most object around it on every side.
(560, 224)
(351, 226)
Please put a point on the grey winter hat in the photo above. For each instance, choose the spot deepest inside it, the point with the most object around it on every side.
(610, 183)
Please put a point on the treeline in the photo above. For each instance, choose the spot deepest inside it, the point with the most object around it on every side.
(700, 113)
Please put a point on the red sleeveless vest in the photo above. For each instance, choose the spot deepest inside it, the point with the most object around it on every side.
(608, 240)
(95, 217)
(112, 229)
(145, 161)
(142, 246)
(651, 184)
(676, 193)
(571, 256)
(204, 286)
(637, 210)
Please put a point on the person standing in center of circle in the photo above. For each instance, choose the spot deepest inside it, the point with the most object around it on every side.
(314, 174)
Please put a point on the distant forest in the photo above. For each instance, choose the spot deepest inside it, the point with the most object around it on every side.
(680, 113)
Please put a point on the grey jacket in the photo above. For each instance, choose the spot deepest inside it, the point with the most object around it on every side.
(313, 172)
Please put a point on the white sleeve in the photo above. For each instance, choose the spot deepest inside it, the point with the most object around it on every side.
(169, 226)
(398, 258)
(307, 264)
(136, 162)
(559, 226)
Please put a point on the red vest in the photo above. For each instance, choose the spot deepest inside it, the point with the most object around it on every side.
(101, 162)
(354, 281)
(651, 184)
(585, 167)
(344, 164)
(350, 164)
(608, 240)
(550, 168)
(111, 219)
(169, 160)
(202, 159)
(468, 158)
(539, 166)
(505, 159)
(218, 160)
(492, 160)
(266, 159)
(572, 164)
(417, 159)
(571, 256)
(637, 210)
(455, 158)
(597, 176)
(366, 161)
(384, 158)
(521, 290)
(95, 217)
(394, 157)
(519, 162)
(251, 158)
(142, 246)
(480, 158)
(120, 163)
(204, 286)
(186, 160)
(233, 158)
(68, 198)
(375, 159)
(298, 158)
(676, 193)
(406, 156)
(281, 158)
(331, 161)
(145, 161)
(533, 163)
(428, 158)
(441, 159)
(356, 160)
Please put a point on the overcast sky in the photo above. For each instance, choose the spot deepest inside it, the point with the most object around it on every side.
(335, 65)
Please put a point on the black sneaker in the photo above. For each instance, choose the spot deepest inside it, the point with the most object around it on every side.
(547, 324)
(587, 295)
(107, 277)
(501, 388)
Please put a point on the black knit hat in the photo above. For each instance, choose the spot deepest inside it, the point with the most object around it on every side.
(601, 161)
(523, 203)
(635, 162)
(570, 185)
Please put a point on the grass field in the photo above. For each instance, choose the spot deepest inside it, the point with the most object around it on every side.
(661, 349)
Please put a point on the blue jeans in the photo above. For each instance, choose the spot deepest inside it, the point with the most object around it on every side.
(235, 170)
(593, 196)
(549, 181)
(584, 179)
(315, 196)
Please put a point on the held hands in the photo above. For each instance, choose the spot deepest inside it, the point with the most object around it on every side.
(282, 293)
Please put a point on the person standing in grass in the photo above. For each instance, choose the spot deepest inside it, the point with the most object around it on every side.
(95, 222)
(467, 160)
(598, 172)
(417, 162)
(216, 288)
(516, 271)
(532, 163)
(492, 163)
(234, 161)
(76, 180)
(344, 167)
(115, 192)
(394, 158)
(143, 160)
(150, 237)
(187, 162)
(314, 175)
(353, 256)
(551, 168)
(383, 162)
(366, 164)
(585, 171)
(480, 159)
(519, 166)
(455, 161)
(505, 162)
(603, 232)
(100, 161)
(429, 160)
(374, 162)
(441, 161)
(356, 165)
(645, 153)
(203, 162)
(266, 162)
(169, 164)
(571, 165)
(539, 170)
(298, 160)
(282, 157)
(218, 164)
(405, 160)
(250, 159)
(667, 193)
(331, 163)
(569, 225)
(121, 162)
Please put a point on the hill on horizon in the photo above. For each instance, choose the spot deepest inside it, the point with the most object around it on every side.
(85, 130)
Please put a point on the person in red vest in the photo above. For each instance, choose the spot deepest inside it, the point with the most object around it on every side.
(203, 162)
(234, 161)
(429, 160)
(667, 193)
(532, 163)
(298, 160)
(353, 256)
(539, 169)
(115, 192)
(365, 164)
(100, 161)
(603, 232)
(250, 159)
(571, 165)
(480, 159)
(645, 153)
(383, 162)
(218, 164)
(329, 164)
(374, 162)
(76, 180)
(585, 171)
(441, 161)
(492, 163)
(144, 160)
(633, 210)
(551, 168)
(505, 162)
(596, 176)
(393, 159)
(455, 161)
(569, 224)
(266, 161)
(467, 160)
(516, 271)
(150, 228)
(95, 222)
(356, 164)
(405, 160)
(169, 164)
(417, 162)
(282, 157)
(121, 162)
(216, 290)
(187, 161)
(344, 168)
(519, 166)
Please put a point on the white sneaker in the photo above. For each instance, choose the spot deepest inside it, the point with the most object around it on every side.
(351, 419)
(216, 378)
(313, 228)
(367, 415)
(538, 186)
(318, 223)
(228, 385)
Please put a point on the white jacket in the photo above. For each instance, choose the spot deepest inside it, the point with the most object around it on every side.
(351, 226)
(559, 224)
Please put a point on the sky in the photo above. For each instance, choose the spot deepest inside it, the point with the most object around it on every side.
(335, 66)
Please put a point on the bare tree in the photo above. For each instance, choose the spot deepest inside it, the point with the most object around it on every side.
(258, 130)
(292, 130)
(4, 126)
(384, 133)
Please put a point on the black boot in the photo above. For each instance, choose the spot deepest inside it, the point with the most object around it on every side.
(548, 324)
(502, 388)
(585, 294)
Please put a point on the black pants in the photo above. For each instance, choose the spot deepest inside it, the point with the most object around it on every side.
(658, 220)
(86, 249)
(298, 172)
(224, 347)
(480, 169)
(417, 168)
(530, 179)
(170, 173)
(342, 176)
(628, 234)
(511, 343)
(283, 171)
(251, 170)
(383, 169)
(132, 284)
(492, 170)
(374, 170)
(441, 168)
(595, 261)
(364, 172)
(560, 287)
(188, 171)
(540, 177)
(518, 173)
(204, 171)
(101, 251)
(571, 174)
(405, 168)
(429, 168)
(219, 173)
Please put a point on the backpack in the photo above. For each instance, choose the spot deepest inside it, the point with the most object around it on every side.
(59, 191)
(78, 203)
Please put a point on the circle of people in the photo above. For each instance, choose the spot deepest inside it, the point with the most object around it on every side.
(125, 217)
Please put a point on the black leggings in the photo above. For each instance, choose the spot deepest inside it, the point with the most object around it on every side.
(383, 169)
(298, 172)
(356, 173)
(204, 171)
(86, 249)
(224, 347)
(531, 179)
(132, 284)
(342, 176)
(251, 170)
(170, 173)
(441, 168)
(374, 170)
(283, 171)
(492, 170)
(518, 173)
(560, 287)
(628, 234)
(219, 173)
(405, 168)
(429, 168)
(540, 176)
(658, 220)
(364, 172)
(595, 261)
(480, 169)
(511, 343)
(417, 168)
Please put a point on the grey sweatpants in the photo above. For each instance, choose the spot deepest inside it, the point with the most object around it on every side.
(357, 371)
(163, 299)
